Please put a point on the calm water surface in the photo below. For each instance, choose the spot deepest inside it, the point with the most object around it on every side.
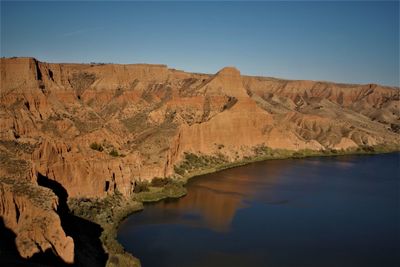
(342, 211)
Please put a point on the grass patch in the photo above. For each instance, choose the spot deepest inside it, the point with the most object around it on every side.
(171, 190)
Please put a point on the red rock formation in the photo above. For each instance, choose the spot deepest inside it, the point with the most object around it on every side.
(152, 115)
(145, 117)
(29, 211)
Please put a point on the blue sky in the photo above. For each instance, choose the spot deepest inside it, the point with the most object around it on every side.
(356, 42)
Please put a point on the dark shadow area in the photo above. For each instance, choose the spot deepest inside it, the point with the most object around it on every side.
(38, 72)
(9, 255)
(58, 189)
(51, 75)
(86, 234)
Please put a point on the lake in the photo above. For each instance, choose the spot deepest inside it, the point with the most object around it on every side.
(325, 211)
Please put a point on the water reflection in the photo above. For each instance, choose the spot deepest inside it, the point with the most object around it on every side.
(310, 212)
(212, 201)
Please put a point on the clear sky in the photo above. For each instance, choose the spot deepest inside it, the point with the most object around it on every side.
(356, 42)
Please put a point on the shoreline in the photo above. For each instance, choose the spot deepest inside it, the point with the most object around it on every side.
(112, 210)
(294, 155)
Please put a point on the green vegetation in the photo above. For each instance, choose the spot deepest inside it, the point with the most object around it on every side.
(160, 182)
(171, 190)
(96, 146)
(195, 165)
(194, 162)
(37, 195)
(114, 153)
(263, 150)
(107, 147)
(108, 213)
(141, 186)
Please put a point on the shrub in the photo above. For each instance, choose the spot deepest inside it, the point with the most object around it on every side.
(262, 150)
(160, 182)
(297, 154)
(198, 162)
(179, 170)
(141, 186)
(114, 153)
(96, 146)
(366, 148)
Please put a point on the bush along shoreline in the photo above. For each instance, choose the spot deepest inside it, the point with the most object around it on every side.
(108, 212)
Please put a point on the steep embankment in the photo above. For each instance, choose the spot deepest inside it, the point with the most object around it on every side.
(100, 129)
(28, 209)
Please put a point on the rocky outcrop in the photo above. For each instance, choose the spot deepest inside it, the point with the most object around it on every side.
(27, 209)
(30, 212)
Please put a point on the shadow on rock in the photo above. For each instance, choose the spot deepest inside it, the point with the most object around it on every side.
(86, 234)
(9, 255)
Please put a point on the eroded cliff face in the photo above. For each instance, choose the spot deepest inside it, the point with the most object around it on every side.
(27, 209)
(99, 128)
(30, 212)
(151, 115)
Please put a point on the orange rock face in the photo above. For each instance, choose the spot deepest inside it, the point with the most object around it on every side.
(26, 208)
(98, 128)
(29, 211)
(152, 115)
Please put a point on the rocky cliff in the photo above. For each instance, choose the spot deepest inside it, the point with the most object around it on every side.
(100, 128)
(29, 210)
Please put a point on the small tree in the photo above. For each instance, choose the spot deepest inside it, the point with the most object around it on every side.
(114, 153)
(160, 182)
(96, 146)
(141, 186)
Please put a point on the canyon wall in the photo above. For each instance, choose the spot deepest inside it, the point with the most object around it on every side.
(151, 115)
(28, 209)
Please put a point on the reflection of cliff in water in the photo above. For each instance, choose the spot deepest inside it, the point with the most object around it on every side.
(212, 202)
